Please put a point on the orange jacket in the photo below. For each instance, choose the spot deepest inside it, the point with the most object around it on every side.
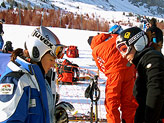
(106, 55)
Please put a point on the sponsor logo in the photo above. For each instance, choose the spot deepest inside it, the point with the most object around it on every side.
(101, 63)
(149, 65)
(32, 102)
(127, 35)
(6, 89)
(136, 37)
(42, 38)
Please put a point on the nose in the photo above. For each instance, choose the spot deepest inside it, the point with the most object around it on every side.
(53, 63)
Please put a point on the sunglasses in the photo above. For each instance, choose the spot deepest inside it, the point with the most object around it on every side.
(123, 48)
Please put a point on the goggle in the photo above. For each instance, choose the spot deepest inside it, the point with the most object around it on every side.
(58, 52)
(123, 48)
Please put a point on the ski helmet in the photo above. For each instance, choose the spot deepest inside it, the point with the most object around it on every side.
(131, 37)
(41, 41)
(116, 29)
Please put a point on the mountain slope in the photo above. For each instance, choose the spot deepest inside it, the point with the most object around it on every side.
(141, 7)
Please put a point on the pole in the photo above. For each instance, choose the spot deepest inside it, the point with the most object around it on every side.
(96, 95)
(42, 18)
(91, 114)
(19, 15)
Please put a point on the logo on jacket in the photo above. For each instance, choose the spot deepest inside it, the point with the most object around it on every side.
(32, 103)
(149, 65)
(6, 89)
(101, 63)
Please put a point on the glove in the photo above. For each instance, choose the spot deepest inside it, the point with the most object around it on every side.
(65, 105)
(61, 112)
(61, 115)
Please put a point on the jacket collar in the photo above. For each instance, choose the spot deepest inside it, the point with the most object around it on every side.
(138, 55)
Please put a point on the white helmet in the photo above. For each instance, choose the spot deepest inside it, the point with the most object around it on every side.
(41, 41)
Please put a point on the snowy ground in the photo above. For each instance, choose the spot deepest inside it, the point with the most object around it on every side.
(70, 93)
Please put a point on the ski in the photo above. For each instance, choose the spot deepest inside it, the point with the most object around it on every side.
(79, 82)
(84, 117)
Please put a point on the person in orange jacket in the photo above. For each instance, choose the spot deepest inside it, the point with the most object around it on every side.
(120, 78)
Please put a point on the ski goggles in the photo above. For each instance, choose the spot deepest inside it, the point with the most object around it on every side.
(59, 51)
(123, 48)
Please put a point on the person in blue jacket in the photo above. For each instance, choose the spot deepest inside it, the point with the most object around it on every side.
(25, 94)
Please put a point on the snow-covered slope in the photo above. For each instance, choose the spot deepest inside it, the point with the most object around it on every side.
(107, 5)
(103, 8)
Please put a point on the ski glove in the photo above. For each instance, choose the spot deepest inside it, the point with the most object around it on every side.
(61, 112)
(61, 115)
(66, 106)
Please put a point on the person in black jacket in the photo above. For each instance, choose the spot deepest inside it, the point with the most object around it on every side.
(1, 33)
(8, 48)
(157, 34)
(149, 85)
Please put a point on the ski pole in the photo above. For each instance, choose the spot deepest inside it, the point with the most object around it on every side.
(89, 93)
(96, 90)
(91, 114)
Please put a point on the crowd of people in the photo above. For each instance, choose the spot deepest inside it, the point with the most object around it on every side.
(131, 59)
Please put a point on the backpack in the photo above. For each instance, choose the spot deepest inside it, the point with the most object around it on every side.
(72, 52)
(67, 72)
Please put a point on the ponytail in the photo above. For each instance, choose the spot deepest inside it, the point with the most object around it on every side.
(15, 53)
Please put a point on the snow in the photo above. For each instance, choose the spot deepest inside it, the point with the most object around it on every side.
(103, 8)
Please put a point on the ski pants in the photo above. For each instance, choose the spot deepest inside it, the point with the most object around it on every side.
(119, 97)
(1, 42)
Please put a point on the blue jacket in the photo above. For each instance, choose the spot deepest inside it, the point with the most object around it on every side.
(24, 99)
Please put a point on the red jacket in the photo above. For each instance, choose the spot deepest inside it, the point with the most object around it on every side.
(106, 55)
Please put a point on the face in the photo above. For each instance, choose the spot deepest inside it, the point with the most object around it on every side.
(130, 55)
(48, 62)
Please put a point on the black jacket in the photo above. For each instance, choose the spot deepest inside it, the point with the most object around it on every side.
(149, 85)
(158, 32)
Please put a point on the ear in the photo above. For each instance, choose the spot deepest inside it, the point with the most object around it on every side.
(160, 44)
(26, 53)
